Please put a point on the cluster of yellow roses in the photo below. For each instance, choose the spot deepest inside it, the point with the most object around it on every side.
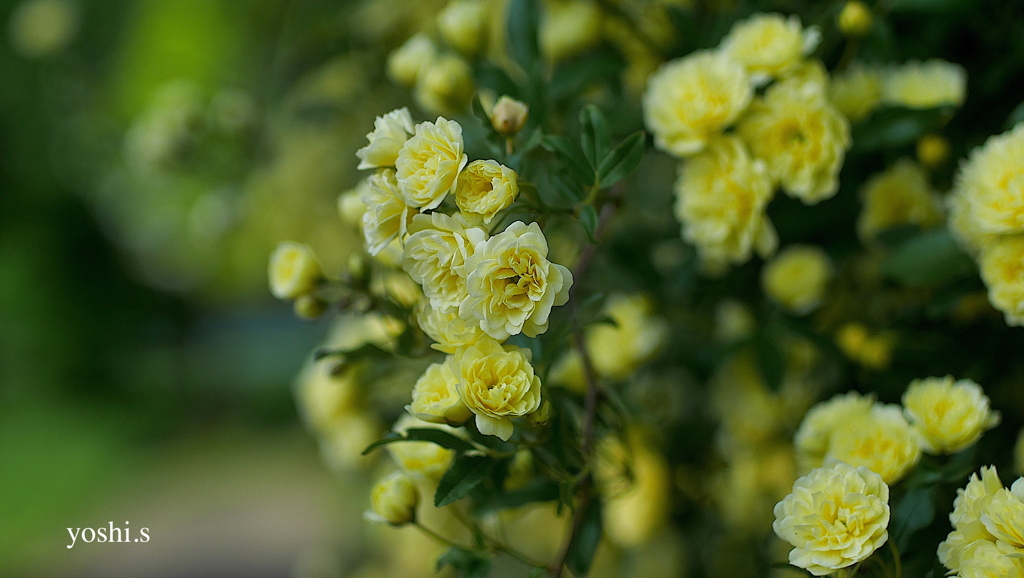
(855, 447)
(988, 529)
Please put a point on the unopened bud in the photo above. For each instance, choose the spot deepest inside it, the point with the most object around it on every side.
(855, 19)
(932, 150)
(293, 271)
(509, 115)
(309, 307)
(393, 500)
(543, 413)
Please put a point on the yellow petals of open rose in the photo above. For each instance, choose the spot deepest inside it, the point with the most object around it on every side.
(497, 384)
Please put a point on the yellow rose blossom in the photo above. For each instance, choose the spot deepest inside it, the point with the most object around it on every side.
(1003, 517)
(881, 440)
(1002, 269)
(854, 19)
(462, 24)
(568, 27)
(992, 183)
(293, 271)
(797, 277)
(435, 252)
(811, 441)
(327, 390)
(948, 415)
(568, 372)
(801, 137)
(343, 439)
(389, 134)
(407, 62)
(497, 384)
(435, 398)
(769, 45)
(387, 215)
(692, 99)
(484, 188)
(899, 196)
(982, 559)
(512, 285)
(721, 195)
(445, 85)
(969, 508)
(429, 163)
(836, 516)
(921, 85)
(446, 328)
(618, 349)
(393, 500)
(633, 512)
(424, 461)
(857, 91)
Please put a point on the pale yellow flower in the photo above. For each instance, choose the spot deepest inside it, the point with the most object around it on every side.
(429, 163)
(836, 516)
(933, 150)
(393, 500)
(387, 215)
(857, 91)
(617, 350)
(508, 115)
(445, 85)
(497, 384)
(899, 196)
(797, 277)
(928, 84)
(512, 285)
(721, 195)
(854, 19)
(812, 438)
(568, 27)
(484, 188)
(800, 136)
(326, 391)
(389, 134)
(293, 271)
(435, 252)
(948, 415)
(350, 204)
(692, 99)
(982, 559)
(769, 45)
(992, 181)
(343, 439)
(435, 398)
(424, 461)
(1002, 269)
(568, 372)
(982, 510)
(636, 507)
(881, 440)
(962, 224)
(1003, 517)
(407, 62)
(446, 328)
(462, 24)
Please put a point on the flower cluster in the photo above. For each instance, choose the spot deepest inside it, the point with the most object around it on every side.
(987, 538)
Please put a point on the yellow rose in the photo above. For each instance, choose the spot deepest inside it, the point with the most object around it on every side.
(899, 196)
(992, 182)
(429, 163)
(1003, 517)
(447, 329)
(617, 350)
(435, 252)
(948, 416)
(393, 500)
(856, 91)
(435, 398)
(424, 461)
(496, 384)
(462, 24)
(350, 204)
(407, 62)
(387, 216)
(811, 441)
(984, 512)
(971, 502)
(484, 188)
(1002, 269)
(389, 134)
(769, 45)
(881, 440)
(928, 84)
(836, 516)
(445, 85)
(343, 439)
(512, 285)
(797, 278)
(327, 390)
(636, 505)
(982, 559)
(800, 136)
(721, 195)
(568, 372)
(294, 270)
(568, 27)
(854, 19)
(692, 99)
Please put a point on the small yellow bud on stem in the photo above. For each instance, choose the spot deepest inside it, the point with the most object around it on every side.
(854, 19)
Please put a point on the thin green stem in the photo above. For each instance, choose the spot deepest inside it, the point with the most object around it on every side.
(438, 537)
(896, 561)
(493, 543)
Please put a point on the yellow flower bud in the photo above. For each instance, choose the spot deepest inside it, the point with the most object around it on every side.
(408, 61)
(796, 279)
(423, 461)
(309, 307)
(462, 24)
(393, 500)
(293, 271)
(509, 115)
(932, 150)
(445, 86)
(854, 19)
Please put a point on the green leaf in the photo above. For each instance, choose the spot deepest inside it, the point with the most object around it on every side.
(388, 438)
(571, 156)
(537, 490)
(588, 218)
(493, 77)
(929, 259)
(622, 160)
(463, 476)
(568, 189)
(594, 135)
(368, 351)
(523, 24)
(572, 77)
(914, 511)
(538, 572)
(439, 437)
(584, 545)
(467, 564)
(477, 108)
